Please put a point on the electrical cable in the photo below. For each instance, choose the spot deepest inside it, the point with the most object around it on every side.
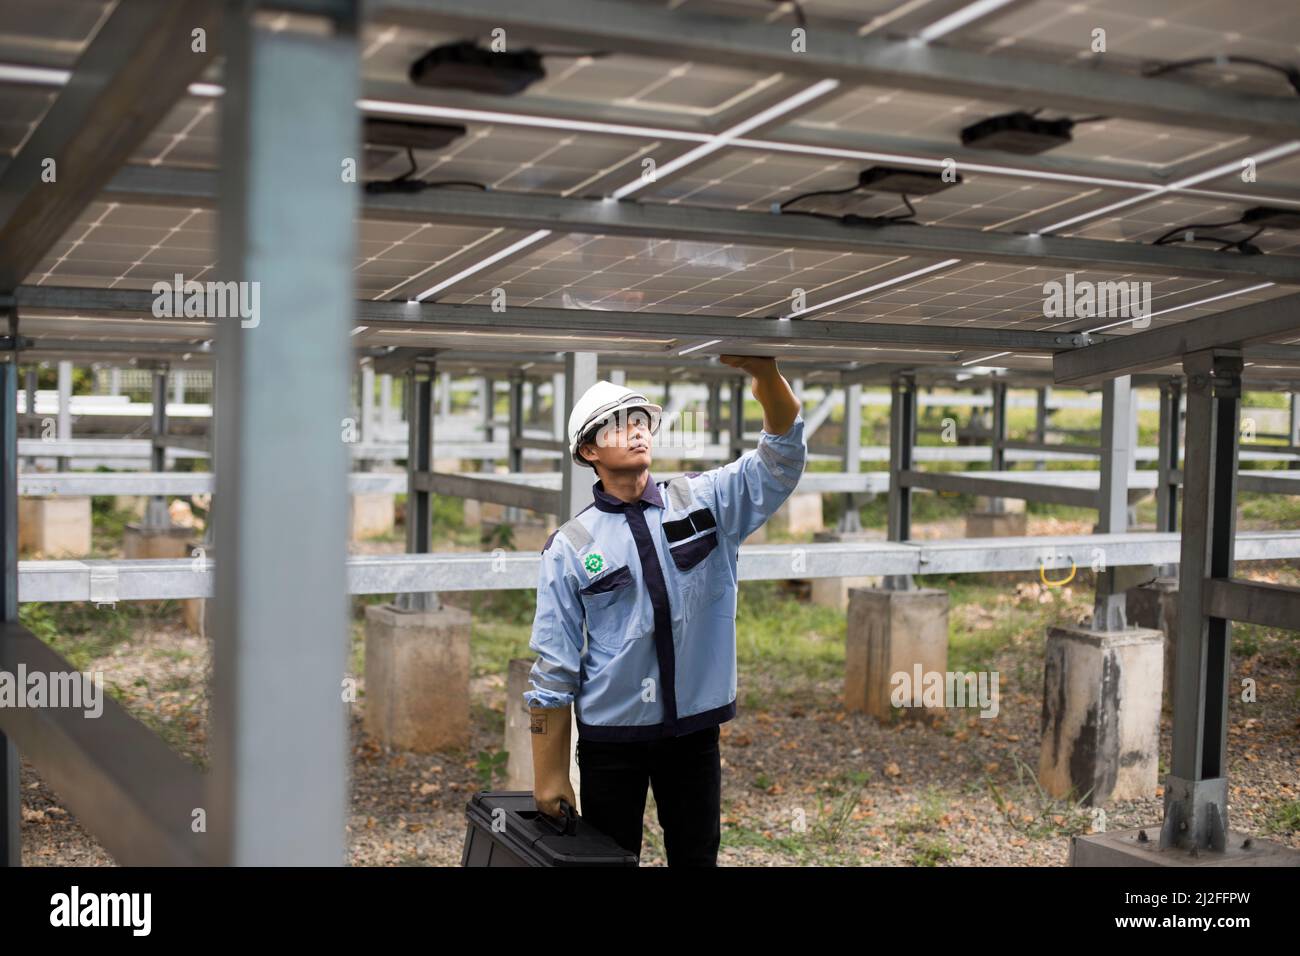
(1290, 72)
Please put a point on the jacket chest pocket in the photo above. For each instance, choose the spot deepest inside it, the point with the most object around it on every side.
(608, 605)
(696, 572)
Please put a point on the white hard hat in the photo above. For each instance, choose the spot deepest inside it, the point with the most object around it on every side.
(597, 405)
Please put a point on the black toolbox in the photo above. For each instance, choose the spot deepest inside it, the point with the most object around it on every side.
(524, 837)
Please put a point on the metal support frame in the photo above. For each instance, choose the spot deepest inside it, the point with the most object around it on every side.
(752, 44)
(64, 429)
(1196, 790)
(736, 433)
(714, 409)
(420, 420)
(999, 438)
(10, 796)
(156, 516)
(515, 439)
(902, 439)
(1109, 612)
(575, 493)
(1042, 421)
(851, 521)
(278, 786)
(1167, 462)
(534, 211)
(1168, 344)
(29, 384)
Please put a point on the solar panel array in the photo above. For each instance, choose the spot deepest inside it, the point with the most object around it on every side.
(595, 123)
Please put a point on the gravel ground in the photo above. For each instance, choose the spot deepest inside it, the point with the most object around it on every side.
(804, 783)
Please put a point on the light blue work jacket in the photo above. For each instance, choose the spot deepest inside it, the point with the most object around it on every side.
(636, 602)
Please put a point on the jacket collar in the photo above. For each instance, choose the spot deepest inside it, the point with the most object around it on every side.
(607, 502)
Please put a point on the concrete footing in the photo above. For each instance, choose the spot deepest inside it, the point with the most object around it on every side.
(996, 524)
(893, 633)
(834, 592)
(132, 504)
(1140, 846)
(1155, 605)
(141, 543)
(1009, 505)
(480, 513)
(1101, 714)
(56, 526)
(519, 743)
(799, 514)
(373, 515)
(417, 677)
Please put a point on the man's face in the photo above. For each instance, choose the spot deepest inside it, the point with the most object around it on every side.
(622, 443)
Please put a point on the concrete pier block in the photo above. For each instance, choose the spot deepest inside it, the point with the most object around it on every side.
(1011, 505)
(799, 514)
(132, 504)
(531, 533)
(1155, 605)
(55, 526)
(891, 633)
(1101, 714)
(140, 542)
(372, 515)
(481, 513)
(197, 612)
(996, 524)
(519, 743)
(834, 592)
(417, 677)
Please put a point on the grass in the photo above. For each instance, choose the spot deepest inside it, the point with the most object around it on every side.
(1285, 817)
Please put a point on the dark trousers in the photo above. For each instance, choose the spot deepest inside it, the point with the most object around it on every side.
(686, 774)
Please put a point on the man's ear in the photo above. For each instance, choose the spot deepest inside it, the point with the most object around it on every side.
(590, 459)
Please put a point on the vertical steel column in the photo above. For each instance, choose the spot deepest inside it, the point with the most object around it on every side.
(902, 439)
(156, 516)
(29, 381)
(385, 406)
(579, 375)
(178, 386)
(715, 412)
(999, 460)
(278, 789)
(114, 381)
(419, 463)
(1040, 423)
(618, 376)
(65, 409)
(514, 452)
(559, 421)
(1171, 400)
(1108, 613)
(444, 395)
(850, 520)
(368, 403)
(10, 795)
(736, 444)
(489, 408)
(1196, 790)
(1293, 430)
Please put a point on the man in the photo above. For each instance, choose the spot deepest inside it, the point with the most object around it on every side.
(647, 574)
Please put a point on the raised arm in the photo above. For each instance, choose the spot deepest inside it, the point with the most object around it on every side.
(748, 491)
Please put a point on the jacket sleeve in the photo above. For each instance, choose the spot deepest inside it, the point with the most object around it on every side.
(747, 491)
(558, 631)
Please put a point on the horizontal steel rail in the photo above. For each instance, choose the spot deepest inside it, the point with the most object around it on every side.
(108, 582)
(116, 776)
